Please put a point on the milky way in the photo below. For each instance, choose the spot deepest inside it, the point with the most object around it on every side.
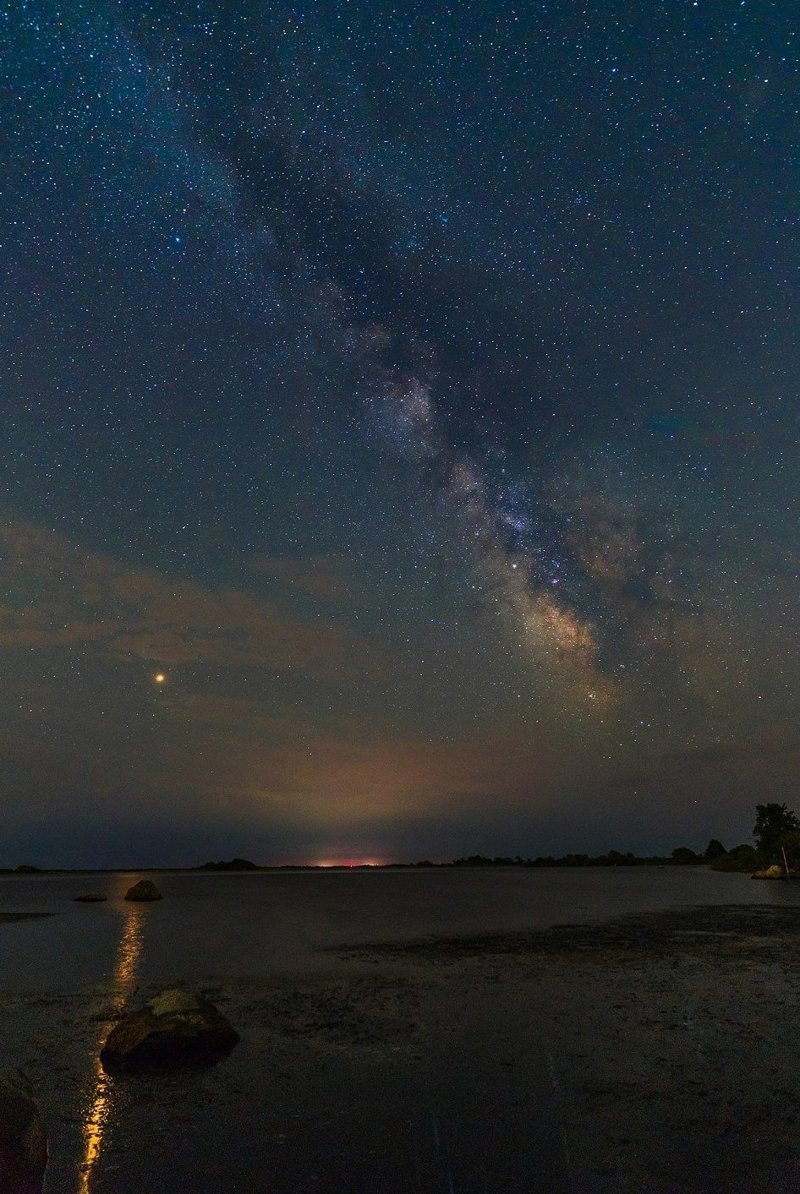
(441, 364)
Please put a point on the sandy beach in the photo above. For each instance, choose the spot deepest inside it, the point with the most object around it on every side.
(654, 1053)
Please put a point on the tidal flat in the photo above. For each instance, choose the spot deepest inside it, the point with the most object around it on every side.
(649, 1053)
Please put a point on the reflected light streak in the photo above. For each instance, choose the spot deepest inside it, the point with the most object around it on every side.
(130, 948)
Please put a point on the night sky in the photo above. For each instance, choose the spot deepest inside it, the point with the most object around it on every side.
(400, 418)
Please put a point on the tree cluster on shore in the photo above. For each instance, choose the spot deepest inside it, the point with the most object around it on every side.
(680, 856)
(777, 837)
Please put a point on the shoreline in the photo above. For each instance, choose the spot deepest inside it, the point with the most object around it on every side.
(554, 864)
(648, 1054)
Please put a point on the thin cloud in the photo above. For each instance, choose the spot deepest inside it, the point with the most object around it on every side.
(62, 596)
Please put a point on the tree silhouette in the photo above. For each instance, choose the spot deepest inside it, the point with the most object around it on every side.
(773, 823)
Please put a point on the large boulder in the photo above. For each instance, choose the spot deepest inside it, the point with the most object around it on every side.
(145, 889)
(23, 1141)
(771, 872)
(175, 1028)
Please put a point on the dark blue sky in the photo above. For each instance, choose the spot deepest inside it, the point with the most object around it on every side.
(415, 387)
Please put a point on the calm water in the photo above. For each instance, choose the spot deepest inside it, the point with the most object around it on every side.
(255, 924)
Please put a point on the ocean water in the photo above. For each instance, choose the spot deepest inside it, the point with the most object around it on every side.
(247, 925)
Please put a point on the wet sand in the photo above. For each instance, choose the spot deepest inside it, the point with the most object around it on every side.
(649, 1054)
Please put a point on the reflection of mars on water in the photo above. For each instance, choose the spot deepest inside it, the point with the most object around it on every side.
(130, 948)
(419, 1031)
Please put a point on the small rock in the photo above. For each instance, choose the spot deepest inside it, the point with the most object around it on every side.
(145, 889)
(175, 1028)
(23, 1140)
(91, 897)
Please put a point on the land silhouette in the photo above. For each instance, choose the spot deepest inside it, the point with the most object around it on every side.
(776, 834)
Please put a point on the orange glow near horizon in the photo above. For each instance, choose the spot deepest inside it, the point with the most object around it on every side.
(348, 862)
(96, 1118)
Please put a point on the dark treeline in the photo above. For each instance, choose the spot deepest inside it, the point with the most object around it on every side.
(776, 834)
(680, 856)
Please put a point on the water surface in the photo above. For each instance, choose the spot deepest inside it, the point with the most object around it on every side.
(245, 924)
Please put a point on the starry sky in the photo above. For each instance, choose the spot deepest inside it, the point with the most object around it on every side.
(413, 390)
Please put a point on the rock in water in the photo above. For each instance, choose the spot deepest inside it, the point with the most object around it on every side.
(91, 897)
(176, 1028)
(23, 1141)
(145, 889)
